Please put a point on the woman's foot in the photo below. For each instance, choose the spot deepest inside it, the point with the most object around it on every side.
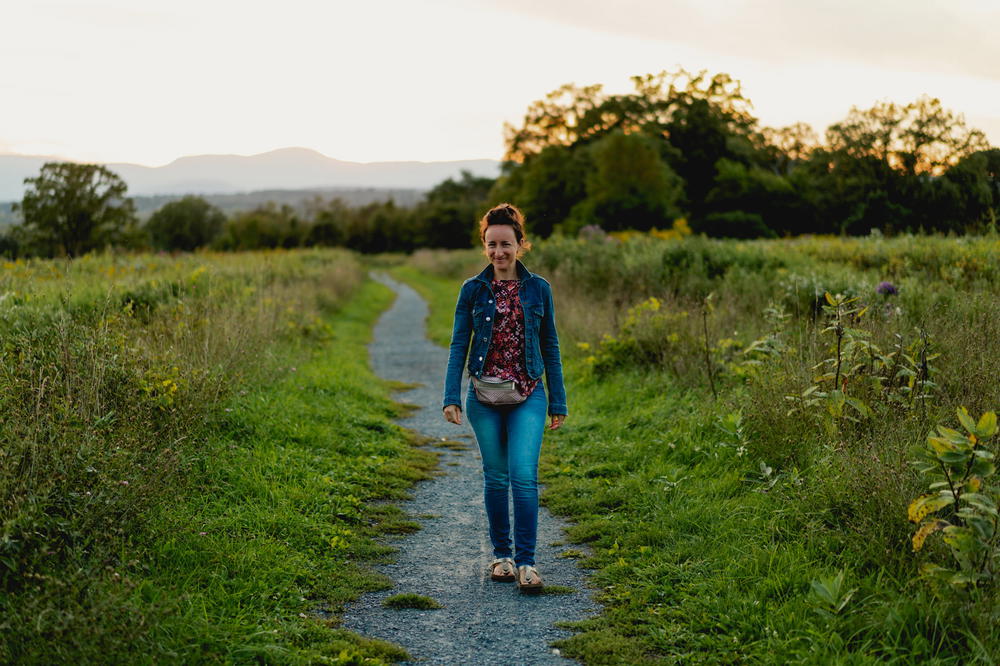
(502, 569)
(528, 579)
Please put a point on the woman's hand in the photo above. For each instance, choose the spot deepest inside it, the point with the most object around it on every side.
(453, 414)
(557, 421)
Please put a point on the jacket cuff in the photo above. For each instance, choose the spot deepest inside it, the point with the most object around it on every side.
(558, 408)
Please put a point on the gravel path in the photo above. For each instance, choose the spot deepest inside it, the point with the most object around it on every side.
(482, 622)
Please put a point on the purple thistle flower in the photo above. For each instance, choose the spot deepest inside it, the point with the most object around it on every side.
(886, 289)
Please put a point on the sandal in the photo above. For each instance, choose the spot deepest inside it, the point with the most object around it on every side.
(502, 569)
(528, 579)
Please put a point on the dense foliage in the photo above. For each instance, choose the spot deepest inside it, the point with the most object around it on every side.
(892, 167)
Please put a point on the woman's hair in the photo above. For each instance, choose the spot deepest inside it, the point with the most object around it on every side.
(509, 214)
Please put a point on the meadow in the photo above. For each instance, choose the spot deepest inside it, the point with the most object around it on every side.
(747, 453)
(746, 464)
(175, 486)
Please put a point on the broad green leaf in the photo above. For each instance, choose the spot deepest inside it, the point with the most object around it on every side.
(967, 421)
(955, 437)
(940, 444)
(954, 457)
(984, 528)
(961, 539)
(987, 426)
(983, 468)
(979, 497)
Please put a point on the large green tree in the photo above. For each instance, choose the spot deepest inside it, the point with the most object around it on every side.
(693, 119)
(185, 224)
(74, 208)
(628, 186)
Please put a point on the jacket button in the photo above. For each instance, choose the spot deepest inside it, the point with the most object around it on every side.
(487, 319)
(480, 358)
(491, 301)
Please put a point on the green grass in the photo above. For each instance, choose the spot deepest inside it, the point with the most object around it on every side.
(268, 532)
(410, 600)
(700, 555)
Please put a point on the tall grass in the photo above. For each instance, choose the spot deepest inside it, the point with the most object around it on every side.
(714, 519)
(113, 372)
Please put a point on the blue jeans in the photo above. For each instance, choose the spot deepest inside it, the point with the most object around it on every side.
(510, 439)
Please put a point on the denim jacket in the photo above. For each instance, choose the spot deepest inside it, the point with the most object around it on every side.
(474, 314)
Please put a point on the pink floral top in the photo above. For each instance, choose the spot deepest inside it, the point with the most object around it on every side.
(505, 358)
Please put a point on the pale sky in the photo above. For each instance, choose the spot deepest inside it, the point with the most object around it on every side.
(148, 81)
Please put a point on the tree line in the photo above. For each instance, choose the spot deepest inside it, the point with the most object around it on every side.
(681, 145)
(71, 209)
(686, 144)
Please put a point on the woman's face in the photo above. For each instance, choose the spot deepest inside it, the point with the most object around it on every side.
(501, 246)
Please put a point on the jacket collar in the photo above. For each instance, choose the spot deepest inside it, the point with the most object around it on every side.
(523, 274)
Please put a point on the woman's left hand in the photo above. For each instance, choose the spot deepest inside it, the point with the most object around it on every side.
(557, 421)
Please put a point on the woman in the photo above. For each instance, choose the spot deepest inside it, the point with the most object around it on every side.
(507, 311)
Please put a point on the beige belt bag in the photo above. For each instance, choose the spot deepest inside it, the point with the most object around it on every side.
(496, 391)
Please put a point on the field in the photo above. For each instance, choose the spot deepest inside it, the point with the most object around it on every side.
(738, 459)
(173, 487)
(745, 487)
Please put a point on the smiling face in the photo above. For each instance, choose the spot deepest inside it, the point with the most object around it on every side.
(501, 248)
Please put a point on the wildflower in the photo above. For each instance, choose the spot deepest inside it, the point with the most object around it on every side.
(202, 533)
(886, 289)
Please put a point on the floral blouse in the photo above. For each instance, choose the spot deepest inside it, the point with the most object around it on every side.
(505, 358)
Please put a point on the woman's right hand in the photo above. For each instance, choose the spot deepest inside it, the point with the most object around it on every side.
(453, 414)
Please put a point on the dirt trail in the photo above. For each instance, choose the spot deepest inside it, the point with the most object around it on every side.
(482, 622)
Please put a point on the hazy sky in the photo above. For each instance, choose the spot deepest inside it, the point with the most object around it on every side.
(147, 81)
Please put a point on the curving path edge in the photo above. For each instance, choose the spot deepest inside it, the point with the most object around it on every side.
(482, 622)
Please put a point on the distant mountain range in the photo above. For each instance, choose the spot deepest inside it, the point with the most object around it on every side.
(287, 168)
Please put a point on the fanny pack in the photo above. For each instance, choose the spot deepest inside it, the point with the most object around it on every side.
(496, 391)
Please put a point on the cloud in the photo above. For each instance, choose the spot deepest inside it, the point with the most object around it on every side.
(933, 36)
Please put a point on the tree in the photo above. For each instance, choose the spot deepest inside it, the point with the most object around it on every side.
(919, 138)
(694, 119)
(185, 224)
(976, 183)
(546, 188)
(768, 203)
(450, 210)
(75, 208)
(266, 226)
(629, 185)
